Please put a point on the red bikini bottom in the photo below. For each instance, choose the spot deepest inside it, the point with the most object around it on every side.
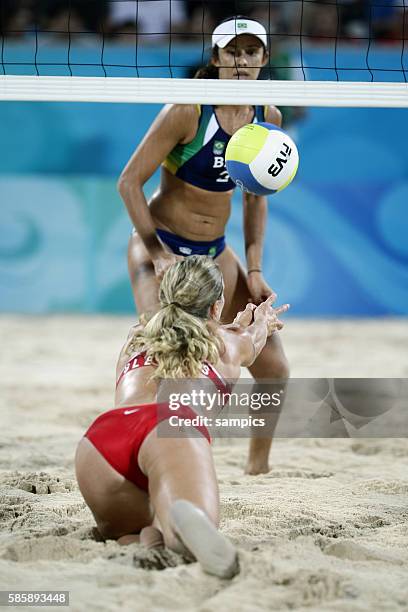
(119, 433)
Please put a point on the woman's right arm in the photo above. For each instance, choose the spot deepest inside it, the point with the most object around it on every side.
(247, 339)
(174, 124)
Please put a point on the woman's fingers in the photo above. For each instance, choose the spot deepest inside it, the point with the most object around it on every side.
(274, 326)
(270, 300)
(281, 309)
(245, 317)
(272, 313)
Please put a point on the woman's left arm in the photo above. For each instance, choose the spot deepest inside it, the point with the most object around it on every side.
(255, 219)
(255, 209)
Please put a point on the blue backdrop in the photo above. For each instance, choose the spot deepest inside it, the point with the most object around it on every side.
(336, 241)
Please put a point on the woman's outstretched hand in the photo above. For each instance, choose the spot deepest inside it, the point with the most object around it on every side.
(245, 317)
(265, 309)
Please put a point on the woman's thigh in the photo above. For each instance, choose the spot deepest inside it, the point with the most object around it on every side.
(235, 288)
(145, 286)
(119, 506)
(179, 468)
(271, 362)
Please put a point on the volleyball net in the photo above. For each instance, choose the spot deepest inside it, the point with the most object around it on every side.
(71, 52)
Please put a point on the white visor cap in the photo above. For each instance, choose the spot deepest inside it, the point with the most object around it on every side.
(225, 32)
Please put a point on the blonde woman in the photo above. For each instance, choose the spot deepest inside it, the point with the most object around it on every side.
(190, 209)
(137, 482)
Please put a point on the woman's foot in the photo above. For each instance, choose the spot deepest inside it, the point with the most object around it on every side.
(130, 538)
(212, 550)
(255, 468)
(151, 537)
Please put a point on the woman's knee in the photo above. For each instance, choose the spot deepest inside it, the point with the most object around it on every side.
(107, 530)
(139, 260)
(142, 276)
(113, 530)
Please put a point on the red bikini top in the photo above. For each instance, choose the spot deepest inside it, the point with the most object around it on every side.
(140, 360)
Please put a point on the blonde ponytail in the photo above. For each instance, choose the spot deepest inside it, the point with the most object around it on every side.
(179, 336)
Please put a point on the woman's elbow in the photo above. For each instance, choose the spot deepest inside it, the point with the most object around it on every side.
(128, 181)
(123, 183)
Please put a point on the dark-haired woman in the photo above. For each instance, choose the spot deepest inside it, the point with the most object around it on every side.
(136, 481)
(189, 211)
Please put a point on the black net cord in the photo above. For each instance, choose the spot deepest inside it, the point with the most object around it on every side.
(269, 41)
(170, 28)
(69, 38)
(336, 39)
(2, 22)
(103, 45)
(301, 41)
(380, 4)
(202, 31)
(36, 38)
(236, 38)
(370, 18)
(137, 39)
(200, 35)
(166, 65)
(403, 43)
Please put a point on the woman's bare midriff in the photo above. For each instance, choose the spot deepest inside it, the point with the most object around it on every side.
(188, 211)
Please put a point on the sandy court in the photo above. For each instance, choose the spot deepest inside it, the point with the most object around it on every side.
(326, 529)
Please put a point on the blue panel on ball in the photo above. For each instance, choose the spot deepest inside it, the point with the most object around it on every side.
(241, 175)
(270, 126)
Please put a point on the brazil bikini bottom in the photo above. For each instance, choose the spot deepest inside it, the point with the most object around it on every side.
(183, 246)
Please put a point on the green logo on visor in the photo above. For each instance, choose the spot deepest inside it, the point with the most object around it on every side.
(212, 251)
(241, 25)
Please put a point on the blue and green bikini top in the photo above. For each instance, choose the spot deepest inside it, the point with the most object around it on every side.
(201, 162)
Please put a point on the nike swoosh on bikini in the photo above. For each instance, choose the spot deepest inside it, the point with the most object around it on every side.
(131, 411)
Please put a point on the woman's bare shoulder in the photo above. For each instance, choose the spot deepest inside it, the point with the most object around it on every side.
(181, 112)
(126, 352)
(179, 120)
